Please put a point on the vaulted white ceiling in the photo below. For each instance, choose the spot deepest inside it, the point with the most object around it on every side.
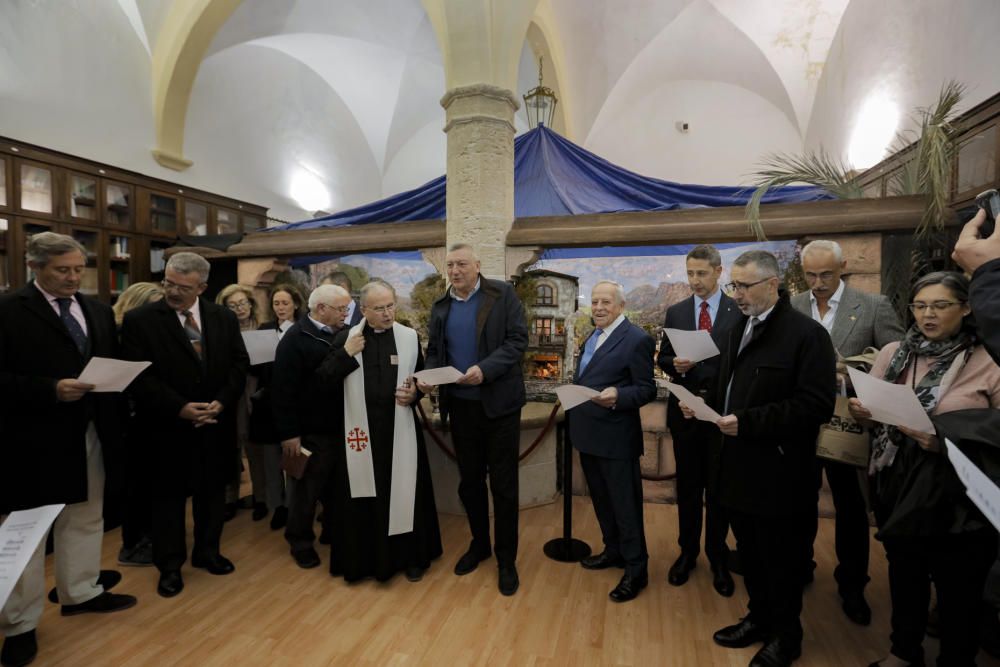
(345, 93)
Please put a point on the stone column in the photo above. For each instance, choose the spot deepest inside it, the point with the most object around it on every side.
(480, 205)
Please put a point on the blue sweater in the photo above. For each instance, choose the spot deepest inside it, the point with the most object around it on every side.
(461, 343)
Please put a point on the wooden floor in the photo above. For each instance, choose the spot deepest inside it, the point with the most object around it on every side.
(270, 612)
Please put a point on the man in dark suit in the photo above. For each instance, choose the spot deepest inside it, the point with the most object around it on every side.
(708, 309)
(341, 279)
(617, 360)
(56, 435)
(478, 327)
(855, 321)
(775, 390)
(309, 412)
(185, 402)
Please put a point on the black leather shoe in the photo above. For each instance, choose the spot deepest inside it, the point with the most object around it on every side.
(856, 608)
(628, 588)
(470, 560)
(217, 564)
(105, 603)
(279, 518)
(414, 573)
(743, 634)
(170, 584)
(19, 650)
(777, 653)
(107, 578)
(259, 511)
(306, 558)
(722, 581)
(507, 580)
(602, 561)
(679, 571)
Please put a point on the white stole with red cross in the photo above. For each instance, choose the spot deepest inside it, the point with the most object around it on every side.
(357, 437)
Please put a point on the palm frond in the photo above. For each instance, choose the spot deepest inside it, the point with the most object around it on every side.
(819, 169)
(935, 153)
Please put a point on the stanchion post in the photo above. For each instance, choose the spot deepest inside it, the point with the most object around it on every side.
(566, 549)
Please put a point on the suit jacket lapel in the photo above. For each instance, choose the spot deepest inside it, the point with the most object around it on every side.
(727, 315)
(483, 312)
(846, 317)
(616, 337)
(36, 302)
(175, 330)
(688, 321)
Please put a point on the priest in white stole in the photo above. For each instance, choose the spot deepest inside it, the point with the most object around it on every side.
(386, 519)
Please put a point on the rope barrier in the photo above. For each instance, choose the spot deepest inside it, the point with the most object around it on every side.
(450, 453)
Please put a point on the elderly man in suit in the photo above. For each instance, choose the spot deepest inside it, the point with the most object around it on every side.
(775, 389)
(341, 279)
(478, 327)
(184, 402)
(617, 360)
(56, 435)
(855, 321)
(707, 309)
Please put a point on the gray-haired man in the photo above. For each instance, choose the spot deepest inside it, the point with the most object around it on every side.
(56, 434)
(183, 401)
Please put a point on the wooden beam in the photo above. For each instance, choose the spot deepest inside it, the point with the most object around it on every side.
(342, 240)
(717, 225)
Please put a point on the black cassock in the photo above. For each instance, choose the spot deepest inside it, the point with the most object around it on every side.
(361, 546)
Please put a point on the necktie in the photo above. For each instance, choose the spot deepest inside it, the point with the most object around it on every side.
(75, 330)
(589, 349)
(747, 335)
(704, 319)
(192, 331)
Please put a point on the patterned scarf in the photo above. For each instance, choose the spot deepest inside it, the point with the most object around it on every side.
(943, 356)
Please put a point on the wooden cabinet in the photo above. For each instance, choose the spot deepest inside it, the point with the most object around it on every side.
(125, 220)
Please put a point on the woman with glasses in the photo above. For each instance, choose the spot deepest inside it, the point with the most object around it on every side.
(240, 300)
(930, 529)
(285, 305)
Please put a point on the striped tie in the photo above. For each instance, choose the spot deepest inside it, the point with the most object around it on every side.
(192, 331)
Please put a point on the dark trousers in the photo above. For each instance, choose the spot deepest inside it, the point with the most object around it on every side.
(485, 446)
(137, 514)
(958, 565)
(615, 487)
(307, 491)
(770, 547)
(169, 543)
(852, 530)
(691, 452)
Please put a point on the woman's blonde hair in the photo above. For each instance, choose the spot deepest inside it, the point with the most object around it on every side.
(137, 294)
(235, 288)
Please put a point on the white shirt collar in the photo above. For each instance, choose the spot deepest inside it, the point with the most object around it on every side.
(451, 291)
(319, 325)
(835, 299)
(712, 301)
(614, 325)
(195, 313)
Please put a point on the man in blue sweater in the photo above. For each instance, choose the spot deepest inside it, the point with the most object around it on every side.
(478, 327)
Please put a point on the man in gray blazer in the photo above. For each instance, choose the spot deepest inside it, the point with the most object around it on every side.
(855, 320)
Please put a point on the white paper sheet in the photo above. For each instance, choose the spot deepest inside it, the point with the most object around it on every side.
(980, 488)
(696, 403)
(890, 403)
(109, 375)
(19, 537)
(261, 346)
(572, 395)
(436, 376)
(692, 345)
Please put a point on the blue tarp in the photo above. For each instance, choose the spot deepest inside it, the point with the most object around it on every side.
(554, 176)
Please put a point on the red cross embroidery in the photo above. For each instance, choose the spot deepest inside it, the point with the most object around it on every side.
(357, 439)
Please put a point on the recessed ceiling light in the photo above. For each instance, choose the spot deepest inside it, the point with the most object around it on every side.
(101, 171)
(180, 191)
(15, 149)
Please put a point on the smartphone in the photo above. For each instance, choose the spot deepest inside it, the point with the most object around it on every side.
(989, 201)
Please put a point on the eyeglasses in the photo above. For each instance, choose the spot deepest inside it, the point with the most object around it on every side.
(238, 305)
(174, 287)
(743, 287)
(382, 310)
(339, 309)
(934, 306)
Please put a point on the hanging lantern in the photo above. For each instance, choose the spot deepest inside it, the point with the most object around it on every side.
(540, 103)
